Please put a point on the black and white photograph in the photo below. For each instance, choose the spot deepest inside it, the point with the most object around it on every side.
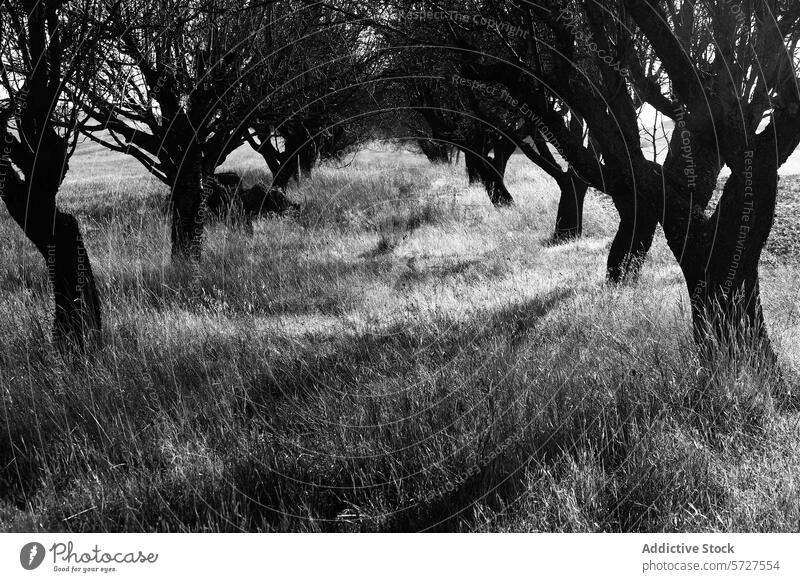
(398, 266)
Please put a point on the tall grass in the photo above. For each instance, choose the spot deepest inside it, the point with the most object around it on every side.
(399, 356)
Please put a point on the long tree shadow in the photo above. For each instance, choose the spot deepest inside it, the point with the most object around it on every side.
(437, 343)
(345, 372)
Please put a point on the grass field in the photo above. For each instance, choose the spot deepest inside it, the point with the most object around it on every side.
(397, 356)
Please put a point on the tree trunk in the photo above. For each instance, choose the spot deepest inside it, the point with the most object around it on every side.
(301, 154)
(77, 302)
(569, 219)
(436, 152)
(721, 264)
(287, 165)
(188, 208)
(298, 158)
(727, 318)
(490, 171)
(308, 159)
(637, 226)
(285, 173)
(472, 162)
(499, 195)
(271, 155)
(56, 235)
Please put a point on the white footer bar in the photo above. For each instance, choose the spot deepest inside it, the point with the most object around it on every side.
(406, 557)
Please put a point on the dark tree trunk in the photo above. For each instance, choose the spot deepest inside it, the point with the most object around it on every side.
(77, 303)
(503, 150)
(499, 194)
(637, 226)
(435, 151)
(308, 159)
(490, 170)
(569, 219)
(298, 158)
(271, 155)
(721, 263)
(300, 153)
(729, 318)
(188, 207)
(56, 235)
(473, 163)
(285, 173)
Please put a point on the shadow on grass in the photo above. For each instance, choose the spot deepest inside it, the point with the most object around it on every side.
(268, 287)
(439, 425)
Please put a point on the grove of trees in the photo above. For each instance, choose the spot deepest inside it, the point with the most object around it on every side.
(180, 84)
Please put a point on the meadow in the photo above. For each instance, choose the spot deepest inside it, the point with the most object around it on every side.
(396, 356)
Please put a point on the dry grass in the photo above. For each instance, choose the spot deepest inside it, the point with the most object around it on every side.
(400, 356)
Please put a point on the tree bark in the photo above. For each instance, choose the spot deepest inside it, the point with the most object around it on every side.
(298, 158)
(490, 170)
(77, 302)
(721, 262)
(569, 218)
(56, 235)
(187, 205)
(472, 162)
(637, 226)
(499, 194)
(300, 154)
(436, 152)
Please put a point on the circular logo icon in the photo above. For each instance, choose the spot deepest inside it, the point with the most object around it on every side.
(32, 555)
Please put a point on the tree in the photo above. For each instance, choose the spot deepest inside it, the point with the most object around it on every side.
(171, 93)
(188, 79)
(333, 64)
(742, 105)
(434, 47)
(430, 84)
(454, 119)
(45, 45)
(503, 55)
(730, 81)
(726, 73)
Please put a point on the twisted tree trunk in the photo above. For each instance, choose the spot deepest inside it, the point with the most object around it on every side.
(300, 155)
(298, 158)
(473, 162)
(57, 237)
(499, 194)
(569, 218)
(637, 227)
(721, 261)
(77, 302)
(436, 151)
(490, 170)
